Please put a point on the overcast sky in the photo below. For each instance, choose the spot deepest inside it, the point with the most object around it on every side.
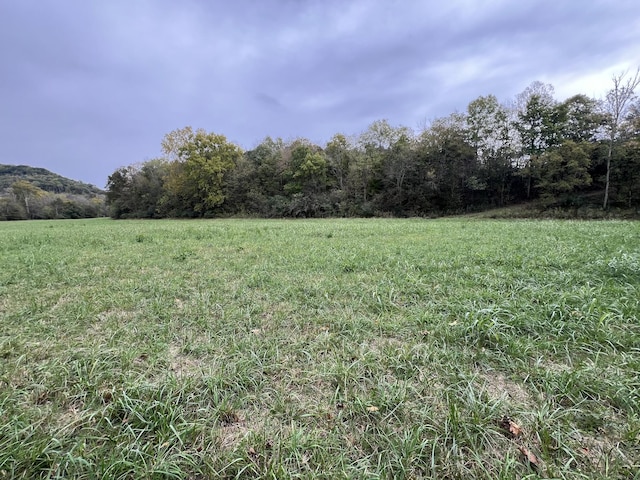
(88, 86)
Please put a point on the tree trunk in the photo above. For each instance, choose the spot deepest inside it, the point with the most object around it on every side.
(605, 204)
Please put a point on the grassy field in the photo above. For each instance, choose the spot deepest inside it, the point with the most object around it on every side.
(454, 348)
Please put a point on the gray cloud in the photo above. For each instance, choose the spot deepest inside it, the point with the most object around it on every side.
(90, 86)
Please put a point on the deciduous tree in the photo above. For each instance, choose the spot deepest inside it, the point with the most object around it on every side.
(26, 193)
(617, 105)
(562, 171)
(340, 157)
(540, 127)
(196, 177)
(488, 131)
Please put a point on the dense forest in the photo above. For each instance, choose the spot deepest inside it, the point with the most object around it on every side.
(36, 193)
(560, 154)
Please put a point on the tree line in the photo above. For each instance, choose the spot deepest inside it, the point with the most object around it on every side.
(561, 154)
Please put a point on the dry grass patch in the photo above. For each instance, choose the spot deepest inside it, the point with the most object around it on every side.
(499, 387)
(184, 365)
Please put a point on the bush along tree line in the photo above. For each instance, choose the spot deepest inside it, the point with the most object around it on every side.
(560, 154)
(35, 193)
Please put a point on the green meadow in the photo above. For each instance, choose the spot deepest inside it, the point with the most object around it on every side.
(383, 348)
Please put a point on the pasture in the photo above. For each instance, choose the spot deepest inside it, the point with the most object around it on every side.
(453, 348)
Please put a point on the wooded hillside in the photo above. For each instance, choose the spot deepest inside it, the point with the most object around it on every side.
(45, 180)
(30, 193)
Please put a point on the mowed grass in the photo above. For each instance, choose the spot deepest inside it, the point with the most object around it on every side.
(319, 349)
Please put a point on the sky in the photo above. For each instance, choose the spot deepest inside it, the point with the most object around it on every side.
(88, 86)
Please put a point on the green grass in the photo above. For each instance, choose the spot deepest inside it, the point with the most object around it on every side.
(319, 349)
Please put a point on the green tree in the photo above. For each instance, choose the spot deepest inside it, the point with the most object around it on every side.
(451, 161)
(119, 198)
(307, 171)
(363, 172)
(562, 171)
(340, 156)
(583, 119)
(368, 165)
(626, 168)
(259, 182)
(196, 177)
(267, 160)
(148, 189)
(381, 135)
(399, 168)
(398, 159)
(10, 209)
(489, 133)
(486, 123)
(540, 128)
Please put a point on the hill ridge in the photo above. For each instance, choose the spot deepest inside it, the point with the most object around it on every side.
(45, 180)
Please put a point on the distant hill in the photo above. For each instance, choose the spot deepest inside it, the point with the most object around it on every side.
(36, 193)
(45, 180)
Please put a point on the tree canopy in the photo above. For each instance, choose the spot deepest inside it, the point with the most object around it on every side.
(494, 154)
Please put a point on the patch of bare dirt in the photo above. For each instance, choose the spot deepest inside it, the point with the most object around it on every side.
(557, 367)
(71, 418)
(232, 434)
(598, 452)
(183, 365)
(379, 344)
(499, 387)
(235, 428)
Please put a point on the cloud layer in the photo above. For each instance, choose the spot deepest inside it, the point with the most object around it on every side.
(90, 86)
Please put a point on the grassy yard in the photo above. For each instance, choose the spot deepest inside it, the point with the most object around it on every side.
(454, 348)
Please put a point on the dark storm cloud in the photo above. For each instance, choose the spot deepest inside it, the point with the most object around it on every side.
(89, 86)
